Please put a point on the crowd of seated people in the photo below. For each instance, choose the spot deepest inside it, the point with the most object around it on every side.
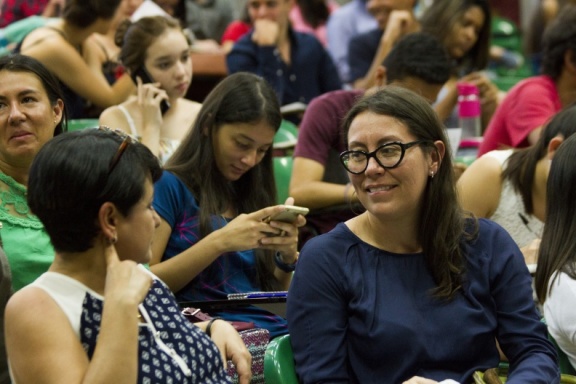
(410, 251)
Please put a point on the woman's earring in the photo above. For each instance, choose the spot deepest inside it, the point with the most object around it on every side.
(431, 175)
(113, 240)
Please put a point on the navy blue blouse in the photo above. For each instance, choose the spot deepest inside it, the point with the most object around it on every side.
(358, 314)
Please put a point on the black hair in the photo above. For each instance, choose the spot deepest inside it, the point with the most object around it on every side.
(82, 13)
(442, 15)
(557, 252)
(22, 63)
(314, 12)
(559, 38)
(418, 55)
(521, 166)
(70, 180)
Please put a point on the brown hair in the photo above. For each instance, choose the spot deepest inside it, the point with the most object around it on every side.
(135, 38)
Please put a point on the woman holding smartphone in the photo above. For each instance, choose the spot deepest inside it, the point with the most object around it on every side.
(157, 54)
(214, 198)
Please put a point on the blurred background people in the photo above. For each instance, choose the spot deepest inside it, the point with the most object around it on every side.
(343, 24)
(520, 117)
(294, 63)
(60, 46)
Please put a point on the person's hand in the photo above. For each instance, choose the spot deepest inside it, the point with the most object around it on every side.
(489, 93)
(286, 241)
(125, 281)
(400, 23)
(420, 380)
(247, 230)
(266, 32)
(149, 97)
(232, 348)
(530, 252)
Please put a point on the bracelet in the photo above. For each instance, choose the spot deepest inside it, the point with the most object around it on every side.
(282, 265)
(209, 325)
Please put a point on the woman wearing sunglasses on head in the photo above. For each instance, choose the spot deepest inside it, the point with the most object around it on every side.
(412, 290)
(97, 316)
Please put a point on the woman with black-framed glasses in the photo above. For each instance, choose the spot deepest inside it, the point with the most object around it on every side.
(412, 290)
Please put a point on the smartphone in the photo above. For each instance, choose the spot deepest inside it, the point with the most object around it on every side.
(143, 74)
(289, 215)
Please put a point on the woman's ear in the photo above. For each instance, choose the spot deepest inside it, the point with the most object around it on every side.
(108, 220)
(437, 155)
(58, 110)
(553, 145)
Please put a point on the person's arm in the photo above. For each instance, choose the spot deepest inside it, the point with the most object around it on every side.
(36, 327)
(308, 189)
(399, 24)
(480, 186)
(246, 231)
(69, 66)
(231, 347)
(317, 316)
(520, 333)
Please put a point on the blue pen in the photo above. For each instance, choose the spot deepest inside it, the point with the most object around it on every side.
(264, 295)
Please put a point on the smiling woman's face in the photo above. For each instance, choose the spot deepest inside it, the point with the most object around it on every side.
(27, 118)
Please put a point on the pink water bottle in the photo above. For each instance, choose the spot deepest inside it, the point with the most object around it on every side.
(469, 110)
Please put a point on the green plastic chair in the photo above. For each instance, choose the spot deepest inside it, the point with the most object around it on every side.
(279, 362)
(282, 175)
(285, 138)
(563, 361)
(78, 124)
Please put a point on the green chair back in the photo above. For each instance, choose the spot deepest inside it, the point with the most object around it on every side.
(563, 361)
(279, 362)
(282, 175)
(285, 138)
(78, 124)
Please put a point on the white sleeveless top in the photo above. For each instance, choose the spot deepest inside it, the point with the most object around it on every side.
(510, 211)
(167, 146)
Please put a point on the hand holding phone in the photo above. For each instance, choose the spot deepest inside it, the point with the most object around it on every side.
(289, 215)
(143, 74)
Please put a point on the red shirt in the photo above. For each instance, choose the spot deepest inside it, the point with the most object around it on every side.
(14, 10)
(527, 106)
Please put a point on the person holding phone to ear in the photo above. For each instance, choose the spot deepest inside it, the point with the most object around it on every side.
(214, 199)
(157, 55)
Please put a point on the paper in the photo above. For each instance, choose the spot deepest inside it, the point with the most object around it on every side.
(148, 8)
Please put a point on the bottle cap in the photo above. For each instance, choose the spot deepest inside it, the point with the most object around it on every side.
(465, 89)
(468, 100)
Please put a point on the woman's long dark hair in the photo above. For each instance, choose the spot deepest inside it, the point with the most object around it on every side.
(442, 15)
(558, 247)
(442, 225)
(521, 166)
(239, 98)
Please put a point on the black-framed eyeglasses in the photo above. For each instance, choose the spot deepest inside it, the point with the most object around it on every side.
(126, 140)
(388, 156)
